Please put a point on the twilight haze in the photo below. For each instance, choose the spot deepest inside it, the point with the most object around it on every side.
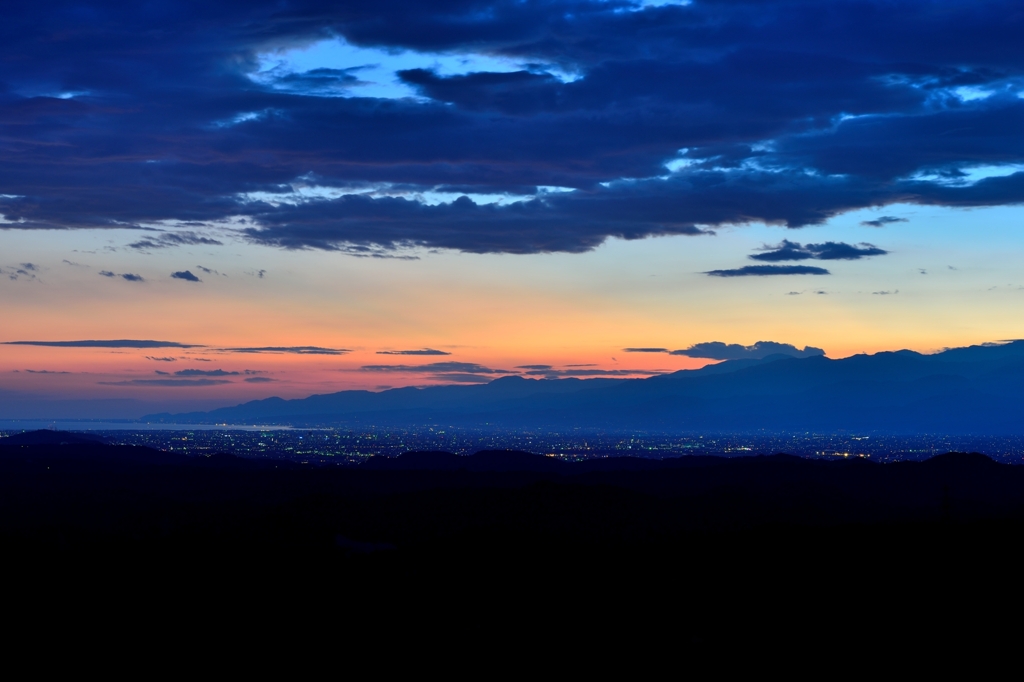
(208, 202)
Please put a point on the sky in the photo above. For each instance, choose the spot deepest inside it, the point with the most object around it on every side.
(206, 203)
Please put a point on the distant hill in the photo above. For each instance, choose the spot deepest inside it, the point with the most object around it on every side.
(49, 437)
(975, 390)
(65, 446)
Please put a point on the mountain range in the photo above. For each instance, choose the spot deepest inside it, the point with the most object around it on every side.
(971, 390)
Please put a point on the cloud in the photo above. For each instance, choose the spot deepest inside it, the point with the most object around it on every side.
(168, 239)
(882, 221)
(113, 343)
(258, 380)
(167, 383)
(156, 359)
(208, 271)
(436, 367)
(204, 373)
(425, 351)
(560, 373)
(73, 264)
(44, 371)
(185, 275)
(297, 350)
(765, 270)
(788, 115)
(788, 251)
(26, 270)
(645, 350)
(716, 350)
(885, 293)
(461, 378)
(577, 370)
(126, 276)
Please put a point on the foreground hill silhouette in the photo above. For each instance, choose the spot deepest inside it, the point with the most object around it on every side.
(975, 390)
(724, 545)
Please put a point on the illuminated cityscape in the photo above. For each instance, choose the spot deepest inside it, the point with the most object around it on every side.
(346, 447)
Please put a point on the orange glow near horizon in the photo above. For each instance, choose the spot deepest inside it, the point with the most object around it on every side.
(500, 312)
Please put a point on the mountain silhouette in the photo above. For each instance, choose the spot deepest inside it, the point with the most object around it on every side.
(975, 390)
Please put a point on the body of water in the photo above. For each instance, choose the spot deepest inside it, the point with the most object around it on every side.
(58, 425)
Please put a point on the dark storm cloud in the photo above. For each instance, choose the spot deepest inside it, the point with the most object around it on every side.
(297, 350)
(424, 351)
(117, 343)
(788, 250)
(790, 112)
(716, 350)
(768, 270)
(882, 221)
(185, 275)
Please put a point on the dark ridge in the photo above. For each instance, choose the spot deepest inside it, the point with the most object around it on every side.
(721, 541)
(416, 460)
(50, 437)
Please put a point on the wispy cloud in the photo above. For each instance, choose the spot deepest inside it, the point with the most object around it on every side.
(435, 367)
(425, 351)
(769, 270)
(882, 221)
(296, 350)
(168, 383)
(168, 239)
(553, 373)
(790, 251)
(111, 343)
(126, 276)
(204, 373)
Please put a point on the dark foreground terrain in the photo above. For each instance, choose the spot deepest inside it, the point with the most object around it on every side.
(686, 552)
